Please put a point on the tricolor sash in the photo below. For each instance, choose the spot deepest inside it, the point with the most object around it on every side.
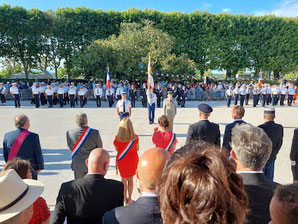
(171, 142)
(123, 154)
(17, 144)
(80, 142)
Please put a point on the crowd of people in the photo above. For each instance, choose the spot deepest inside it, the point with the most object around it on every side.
(204, 181)
(54, 93)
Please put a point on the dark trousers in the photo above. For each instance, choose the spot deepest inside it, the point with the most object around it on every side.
(119, 97)
(72, 100)
(144, 101)
(111, 102)
(290, 100)
(36, 100)
(50, 100)
(55, 100)
(76, 99)
(295, 171)
(151, 112)
(242, 98)
(255, 100)
(179, 100)
(269, 169)
(17, 100)
(133, 101)
(42, 99)
(98, 101)
(183, 102)
(66, 98)
(123, 115)
(258, 99)
(81, 101)
(273, 101)
(229, 99)
(282, 99)
(60, 97)
(158, 101)
(268, 99)
(246, 99)
(3, 98)
(264, 100)
(236, 99)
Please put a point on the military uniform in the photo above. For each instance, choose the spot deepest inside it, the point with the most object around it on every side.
(60, 93)
(133, 95)
(170, 110)
(109, 95)
(183, 96)
(158, 93)
(98, 95)
(2, 94)
(229, 94)
(36, 94)
(143, 96)
(14, 91)
(50, 93)
(204, 129)
(236, 95)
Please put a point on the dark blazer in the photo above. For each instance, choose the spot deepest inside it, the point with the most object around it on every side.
(86, 200)
(203, 130)
(275, 132)
(30, 149)
(93, 141)
(145, 210)
(260, 190)
(294, 148)
(228, 133)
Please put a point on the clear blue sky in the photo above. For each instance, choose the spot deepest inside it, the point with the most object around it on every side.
(256, 7)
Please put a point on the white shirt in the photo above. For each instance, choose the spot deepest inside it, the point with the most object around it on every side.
(35, 90)
(49, 92)
(109, 92)
(118, 92)
(236, 91)
(151, 97)
(268, 90)
(147, 194)
(120, 106)
(275, 91)
(229, 92)
(3, 90)
(14, 90)
(42, 89)
(291, 91)
(60, 91)
(283, 91)
(71, 92)
(242, 91)
(264, 91)
(98, 92)
(247, 91)
(81, 92)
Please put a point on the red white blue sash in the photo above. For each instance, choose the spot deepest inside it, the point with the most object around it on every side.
(126, 150)
(17, 144)
(171, 142)
(80, 142)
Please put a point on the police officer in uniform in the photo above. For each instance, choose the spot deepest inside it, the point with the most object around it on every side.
(255, 96)
(170, 109)
(36, 95)
(275, 133)
(133, 95)
(236, 94)
(14, 91)
(264, 94)
(60, 96)
(143, 95)
(151, 105)
(204, 129)
(283, 92)
(81, 94)
(72, 95)
(2, 93)
(229, 94)
(110, 96)
(183, 95)
(242, 95)
(274, 95)
(98, 94)
(247, 94)
(158, 92)
(123, 107)
(291, 92)
(50, 96)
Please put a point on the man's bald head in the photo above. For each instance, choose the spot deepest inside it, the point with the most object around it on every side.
(98, 161)
(151, 166)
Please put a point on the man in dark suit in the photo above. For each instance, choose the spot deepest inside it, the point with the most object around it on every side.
(250, 158)
(237, 114)
(294, 155)
(93, 140)
(204, 129)
(146, 209)
(87, 199)
(29, 149)
(275, 132)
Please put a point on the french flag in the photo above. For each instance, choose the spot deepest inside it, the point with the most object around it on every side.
(108, 82)
(150, 80)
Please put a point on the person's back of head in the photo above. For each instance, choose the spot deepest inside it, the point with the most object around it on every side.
(21, 121)
(81, 119)
(98, 161)
(284, 204)
(238, 112)
(202, 187)
(251, 147)
(125, 131)
(150, 168)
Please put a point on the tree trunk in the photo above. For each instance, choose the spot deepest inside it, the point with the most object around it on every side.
(56, 72)
(228, 75)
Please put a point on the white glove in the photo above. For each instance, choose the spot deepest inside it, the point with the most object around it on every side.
(293, 163)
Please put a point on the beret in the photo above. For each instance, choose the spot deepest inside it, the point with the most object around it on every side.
(205, 108)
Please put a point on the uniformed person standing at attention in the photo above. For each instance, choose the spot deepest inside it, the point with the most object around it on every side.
(183, 95)
(98, 94)
(143, 95)
(274, 95)
(204, 129)
(50, 96)
(247, 94)
(264, 94)
(3, 94)
(236, 94)
(123, 107)
(110, 96)
(291, 92)
(255, 96)
(133, 95)
(242, 95)
(60, 93)
(283, 93)
(72, 95)
(229, 94)
(81, 95)
(158, 92)
(170, 109)
(14, 91)
(36, 94)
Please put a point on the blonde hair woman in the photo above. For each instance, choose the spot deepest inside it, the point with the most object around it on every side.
(127, 144)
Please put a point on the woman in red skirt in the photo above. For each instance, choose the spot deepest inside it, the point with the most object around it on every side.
(163, 137)
(127, 145)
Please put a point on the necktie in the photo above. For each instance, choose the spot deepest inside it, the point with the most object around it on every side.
(97, 91)
(123, 106)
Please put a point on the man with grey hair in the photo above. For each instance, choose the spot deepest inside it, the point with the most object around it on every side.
(23, 144)
(251, 148)
(81, 141)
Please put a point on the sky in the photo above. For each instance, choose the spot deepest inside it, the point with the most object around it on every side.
(253, 7)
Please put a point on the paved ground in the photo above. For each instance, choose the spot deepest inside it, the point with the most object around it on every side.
(52, 124)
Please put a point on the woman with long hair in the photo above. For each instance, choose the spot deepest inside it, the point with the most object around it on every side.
(127, 144)
(163, 137)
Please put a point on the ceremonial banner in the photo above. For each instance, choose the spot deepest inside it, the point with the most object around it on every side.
(108, 82)
(260, 80)
(80, 142)
(150, 81)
